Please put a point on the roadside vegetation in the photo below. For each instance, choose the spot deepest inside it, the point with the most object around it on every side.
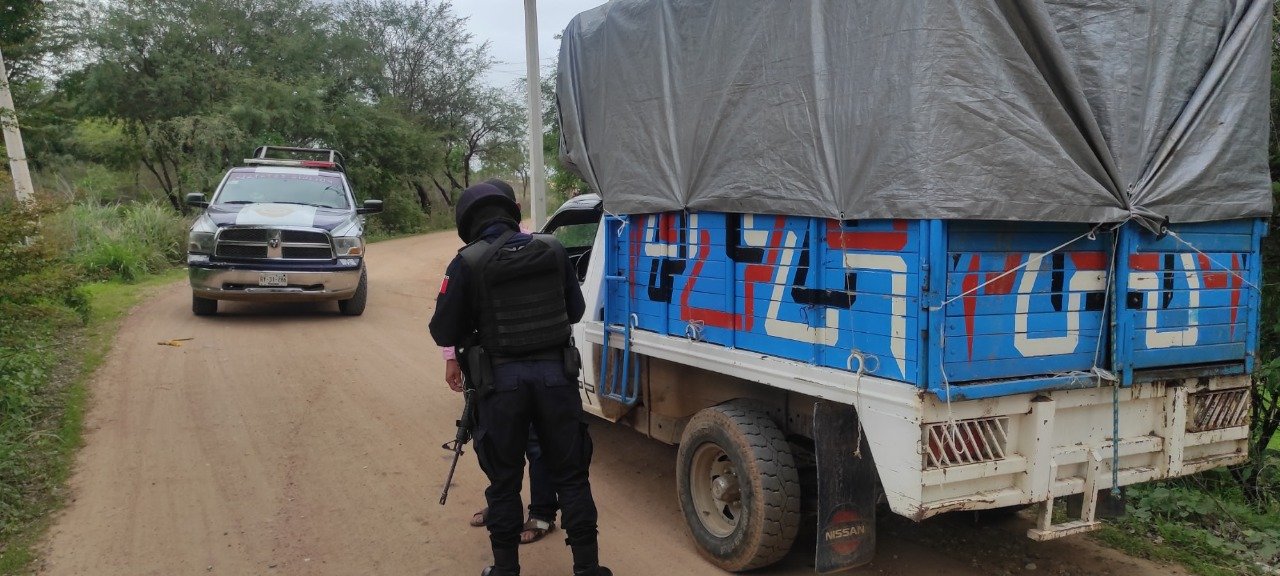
(128, 105)
(66, 274)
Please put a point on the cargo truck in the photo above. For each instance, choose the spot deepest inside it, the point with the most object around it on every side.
(848, 262)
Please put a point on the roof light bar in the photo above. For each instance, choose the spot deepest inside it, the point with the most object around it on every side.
(288, 156)
(291, 163)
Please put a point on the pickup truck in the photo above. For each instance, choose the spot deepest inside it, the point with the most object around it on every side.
(280, 229)
(933, 256)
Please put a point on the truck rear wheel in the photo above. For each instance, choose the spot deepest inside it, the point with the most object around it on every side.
(203, 306)
(354, 306)
(738, 487)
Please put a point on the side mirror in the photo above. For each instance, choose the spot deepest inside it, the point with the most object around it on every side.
(196, 199)
(370, 207)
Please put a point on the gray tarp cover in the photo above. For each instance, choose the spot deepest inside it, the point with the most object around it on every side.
(1047, 110)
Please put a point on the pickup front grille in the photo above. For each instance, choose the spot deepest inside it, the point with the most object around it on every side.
(244, 235)
(241, 251)
(306, 253)
(304, 237)
(252, 243)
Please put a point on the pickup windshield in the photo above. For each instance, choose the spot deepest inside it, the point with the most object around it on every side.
(323, 190)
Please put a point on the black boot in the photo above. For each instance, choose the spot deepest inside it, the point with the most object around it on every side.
(506, 562)
(597, 571)
(586, 561)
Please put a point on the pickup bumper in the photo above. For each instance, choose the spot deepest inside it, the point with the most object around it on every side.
(304, 285)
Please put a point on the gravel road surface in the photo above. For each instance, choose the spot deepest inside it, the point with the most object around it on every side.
(293, 440)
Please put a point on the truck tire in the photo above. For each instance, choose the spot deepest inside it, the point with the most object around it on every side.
(738, 487)
(203, 306)
(354, 306)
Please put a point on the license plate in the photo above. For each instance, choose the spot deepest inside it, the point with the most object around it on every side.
(268, 279)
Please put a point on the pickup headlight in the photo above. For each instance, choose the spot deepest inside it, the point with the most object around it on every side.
(200, 243)
(348, 246)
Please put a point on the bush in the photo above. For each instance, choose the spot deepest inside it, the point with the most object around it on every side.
(400, 215)
(1206, 522)
(101, 185)
(39, 300)
(127, 242)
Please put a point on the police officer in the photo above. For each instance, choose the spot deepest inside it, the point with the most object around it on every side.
(542, 493)
(508, 300)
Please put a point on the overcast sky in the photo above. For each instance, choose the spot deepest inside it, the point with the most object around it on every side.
(501, 23)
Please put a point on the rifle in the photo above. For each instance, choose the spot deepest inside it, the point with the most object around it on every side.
(465, 424)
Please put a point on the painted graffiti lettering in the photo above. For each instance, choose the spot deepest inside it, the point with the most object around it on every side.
(1158, 282)
(1082, 280)
(814, 290)
(843, 298)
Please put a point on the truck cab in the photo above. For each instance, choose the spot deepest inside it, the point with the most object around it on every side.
(575, 224)
(284, 227)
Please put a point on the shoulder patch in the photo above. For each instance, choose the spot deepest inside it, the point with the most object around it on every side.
(444, 285)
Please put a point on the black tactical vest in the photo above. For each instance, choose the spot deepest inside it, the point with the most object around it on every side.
(519, 292)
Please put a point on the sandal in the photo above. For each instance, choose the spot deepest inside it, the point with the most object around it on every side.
(478, 518)
(534, 530)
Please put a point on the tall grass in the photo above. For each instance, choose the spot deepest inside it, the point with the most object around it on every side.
(124, 241)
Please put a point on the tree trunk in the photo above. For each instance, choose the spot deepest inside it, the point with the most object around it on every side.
(166, 185)
(424, 198)
(444, 192)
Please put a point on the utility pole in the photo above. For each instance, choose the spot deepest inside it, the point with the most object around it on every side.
(13, 139)
(537, 168)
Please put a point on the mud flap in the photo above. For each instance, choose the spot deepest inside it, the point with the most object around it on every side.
(847, 487)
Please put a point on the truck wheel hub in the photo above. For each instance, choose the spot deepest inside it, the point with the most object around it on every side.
(725, 489)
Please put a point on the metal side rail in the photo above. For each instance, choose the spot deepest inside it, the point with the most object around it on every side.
(624, 387)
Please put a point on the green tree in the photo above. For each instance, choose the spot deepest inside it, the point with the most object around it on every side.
(36, 37)
(1266, 390)
(488, 132)
(432, 69)
(21, 22)
(561, 183)
(197, 83)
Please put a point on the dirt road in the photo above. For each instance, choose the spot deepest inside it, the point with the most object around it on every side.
(296, 441)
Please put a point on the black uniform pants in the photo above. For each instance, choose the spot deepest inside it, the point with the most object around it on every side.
(535, 392)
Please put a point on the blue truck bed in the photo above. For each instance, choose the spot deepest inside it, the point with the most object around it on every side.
(965, 308)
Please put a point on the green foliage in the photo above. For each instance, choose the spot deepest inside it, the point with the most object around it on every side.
(103, 142)
(561, 183)
(1266, 391)
(430, 75)
(40, 299)
(20, 26)
(400, 215)
(385, 152)
(119, 241)
(187, 88)
(1204, 521)
(1275, 95)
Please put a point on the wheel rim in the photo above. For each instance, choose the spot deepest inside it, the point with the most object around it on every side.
(715, 490)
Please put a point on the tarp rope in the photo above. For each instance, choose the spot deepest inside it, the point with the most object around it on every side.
(855, 354)
(1096, 371)
(954, 435)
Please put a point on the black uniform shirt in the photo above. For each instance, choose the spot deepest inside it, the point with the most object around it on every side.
(455, 317)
